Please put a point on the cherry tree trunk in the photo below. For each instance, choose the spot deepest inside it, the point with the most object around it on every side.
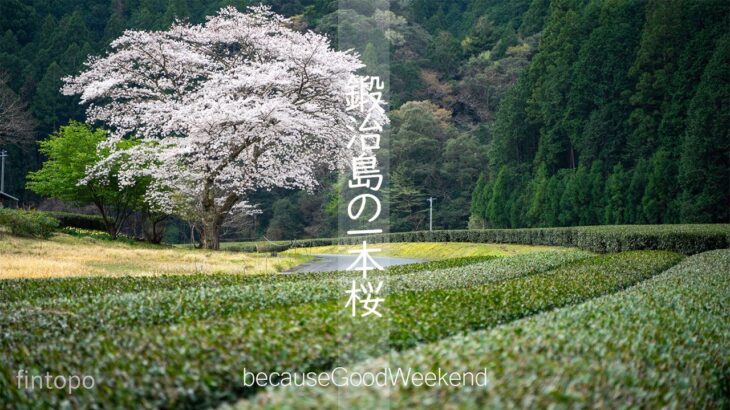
(210, 236)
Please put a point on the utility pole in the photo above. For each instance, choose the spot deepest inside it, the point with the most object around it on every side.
(430, 213)
(3, 154)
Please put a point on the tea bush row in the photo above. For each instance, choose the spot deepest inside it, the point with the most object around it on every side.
(199, 363)
(687, 239)
(662, 344)
(44, 319)
(14, 290)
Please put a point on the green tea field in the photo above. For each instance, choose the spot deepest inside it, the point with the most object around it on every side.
(545, 326)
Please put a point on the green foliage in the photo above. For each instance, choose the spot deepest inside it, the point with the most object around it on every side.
(444, 52)
(616, 205)
(33, 224)
(481, 37)
(705, 151)
(662, 343)
(370, 59)
(660, 190)
(285, 223)
(71, 151)
(534, 18)
(622, 99)
(49, 98)
(430, 158)
(504, 197)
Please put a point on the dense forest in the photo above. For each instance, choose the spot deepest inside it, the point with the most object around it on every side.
(509, 113)
(623, 116)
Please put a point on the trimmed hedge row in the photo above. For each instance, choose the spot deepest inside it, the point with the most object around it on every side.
(150, 308)
(199, 363)
(16, 290)
(501, 302)
(686, 239)
(663, 344)
(81, 221)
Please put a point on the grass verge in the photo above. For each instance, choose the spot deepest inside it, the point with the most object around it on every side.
(68, 256)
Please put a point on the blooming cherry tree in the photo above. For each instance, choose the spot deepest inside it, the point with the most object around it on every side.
(240, 103)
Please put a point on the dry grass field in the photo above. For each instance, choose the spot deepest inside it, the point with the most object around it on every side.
(65, 256)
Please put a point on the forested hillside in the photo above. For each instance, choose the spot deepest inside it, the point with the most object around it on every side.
(516, 113)
(623, 116)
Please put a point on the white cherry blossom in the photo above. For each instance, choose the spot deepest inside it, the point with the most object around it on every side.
(240, 103)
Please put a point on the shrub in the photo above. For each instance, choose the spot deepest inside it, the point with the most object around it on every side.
(28, 223)
(662, 344)
(196, 363)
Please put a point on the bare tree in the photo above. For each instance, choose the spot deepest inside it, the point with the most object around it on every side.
(16, 123)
